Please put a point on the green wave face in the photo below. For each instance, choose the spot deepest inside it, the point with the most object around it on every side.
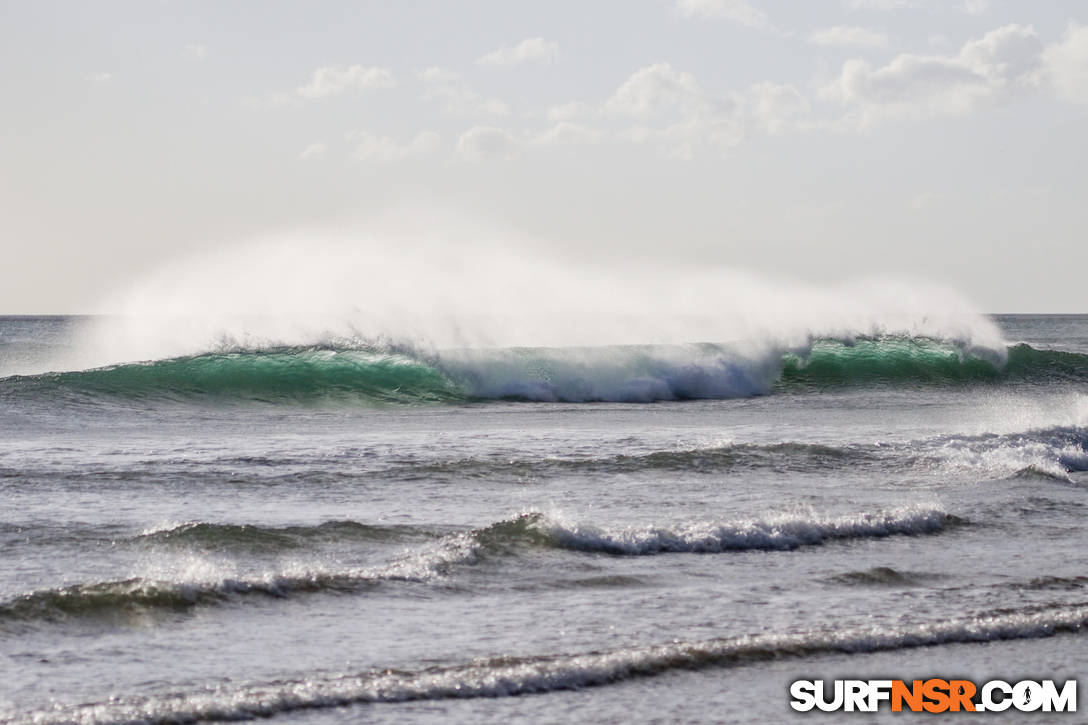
(918, 360)
(279, 376)
(886, 360)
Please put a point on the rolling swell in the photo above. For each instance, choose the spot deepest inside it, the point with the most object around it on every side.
(266, 538)
(617, 374)
(505, 677)
(784, 456)
(123, 599)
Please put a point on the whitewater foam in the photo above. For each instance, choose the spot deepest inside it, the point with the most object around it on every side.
(1054, 452)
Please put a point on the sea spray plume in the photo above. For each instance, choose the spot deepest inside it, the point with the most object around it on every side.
(445, 284)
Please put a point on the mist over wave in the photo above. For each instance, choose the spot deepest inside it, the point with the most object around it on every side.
(437, 283)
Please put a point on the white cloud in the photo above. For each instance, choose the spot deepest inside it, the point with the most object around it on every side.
(530, 50)
(435, 74)
(999, 64)
(971, 7)
(1066, 65)
(194, 52)
(370, 147)
(775, 108)
(842, 35)
(458, 99)
(738, 11)
(685, 138)
(883, 5)
(100, 77)
(272, 100)
(486, 143)
(569, 111)
(657, 89)
(976, 7)
(669, 108)
(334, 80)
(313, 151)
(566, 133)
(674, 112)
(927, 199)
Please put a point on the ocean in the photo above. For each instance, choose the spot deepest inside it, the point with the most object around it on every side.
(356, 530)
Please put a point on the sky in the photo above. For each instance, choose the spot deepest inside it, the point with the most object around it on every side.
(822, 142)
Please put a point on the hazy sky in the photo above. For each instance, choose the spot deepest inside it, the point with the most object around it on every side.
(821, 141)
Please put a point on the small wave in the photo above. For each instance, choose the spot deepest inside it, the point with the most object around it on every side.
(1051, 453)
(775, 533)
(135, 597)
(784, 456)
(608, 581)
(507, 676)
(882, 576)
(124, 599)
(268, 538)
(1070, 583)
(107, 600)
(790, 454)
(1041, 471)
(132, 599)
(646, 373)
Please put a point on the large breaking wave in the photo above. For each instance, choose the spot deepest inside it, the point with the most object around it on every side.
(371, 374)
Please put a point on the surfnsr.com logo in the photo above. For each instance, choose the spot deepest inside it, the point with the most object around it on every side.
(933, 695)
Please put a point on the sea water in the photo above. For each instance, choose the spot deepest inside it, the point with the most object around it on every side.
(347, 530)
